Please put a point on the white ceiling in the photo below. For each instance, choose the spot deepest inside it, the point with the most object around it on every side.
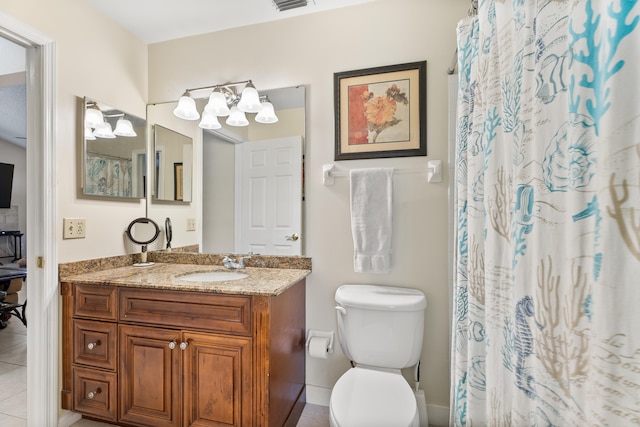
(160, 20)
(152, 21)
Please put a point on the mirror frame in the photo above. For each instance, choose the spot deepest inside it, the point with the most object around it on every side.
(186, 180)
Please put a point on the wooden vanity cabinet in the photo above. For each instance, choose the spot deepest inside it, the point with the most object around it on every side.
(186, 358)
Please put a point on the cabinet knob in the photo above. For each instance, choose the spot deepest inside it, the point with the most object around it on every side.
(92, 394)
(172, 345)
(184, 345)
(92, 345)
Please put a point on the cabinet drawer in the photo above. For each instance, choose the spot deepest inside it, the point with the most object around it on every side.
(95, 344)
(96, 302)
(213, 312)
(94, 393)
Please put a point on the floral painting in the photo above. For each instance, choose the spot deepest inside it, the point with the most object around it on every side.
(376, 108)
(380, 112)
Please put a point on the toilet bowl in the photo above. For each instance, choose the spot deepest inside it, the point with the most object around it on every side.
(365, 397)
(380, 329)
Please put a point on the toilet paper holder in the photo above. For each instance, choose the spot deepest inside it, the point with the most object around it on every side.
(321, 334)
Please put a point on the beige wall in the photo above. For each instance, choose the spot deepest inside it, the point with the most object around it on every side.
(308, 50)
(98, 59)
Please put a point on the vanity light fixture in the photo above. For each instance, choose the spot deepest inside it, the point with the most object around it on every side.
(267, 114)
(225, 101)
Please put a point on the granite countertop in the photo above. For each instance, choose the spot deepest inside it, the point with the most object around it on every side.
(260, 281)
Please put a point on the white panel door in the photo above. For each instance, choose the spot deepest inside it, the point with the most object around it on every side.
(270, 200)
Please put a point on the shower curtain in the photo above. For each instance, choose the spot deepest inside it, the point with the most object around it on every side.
(108, 176)
(546, 326)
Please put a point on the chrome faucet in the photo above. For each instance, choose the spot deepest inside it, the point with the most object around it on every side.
(235, 265)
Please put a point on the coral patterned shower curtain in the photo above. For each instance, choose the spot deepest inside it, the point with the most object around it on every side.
(546, 327)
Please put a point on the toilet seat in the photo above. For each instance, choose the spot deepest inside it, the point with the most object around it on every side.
(367, 397)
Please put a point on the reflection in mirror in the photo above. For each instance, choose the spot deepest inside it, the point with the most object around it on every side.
(114, 152)
(226, 178)
(173, 161)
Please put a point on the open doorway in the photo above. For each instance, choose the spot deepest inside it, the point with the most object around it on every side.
(13, 228)
(42, 312)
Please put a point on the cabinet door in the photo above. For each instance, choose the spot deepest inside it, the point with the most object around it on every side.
(217, 380)
(149, 376)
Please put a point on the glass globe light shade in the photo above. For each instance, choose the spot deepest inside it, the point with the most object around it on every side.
(209, 121)
(217, 103)
(186, 108)
(249, 100)
(267, 114)
(103, 130)
(88, 134)
(93, 117)
(237, 118)
(124, 128)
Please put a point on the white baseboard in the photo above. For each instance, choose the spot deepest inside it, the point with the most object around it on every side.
(67, 418)
(318, 395)
(438, 415)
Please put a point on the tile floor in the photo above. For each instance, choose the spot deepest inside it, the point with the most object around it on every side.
(312, 416)
(13, 375)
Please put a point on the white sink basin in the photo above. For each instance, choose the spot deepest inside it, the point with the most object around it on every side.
(213, 276)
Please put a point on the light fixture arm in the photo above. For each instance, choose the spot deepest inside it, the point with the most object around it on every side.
(225, 85)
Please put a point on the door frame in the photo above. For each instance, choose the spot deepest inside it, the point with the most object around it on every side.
(42, 262)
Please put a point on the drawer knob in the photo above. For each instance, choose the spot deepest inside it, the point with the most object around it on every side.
(92, 394)
(184, 345)
(93, 345)
(172, 345)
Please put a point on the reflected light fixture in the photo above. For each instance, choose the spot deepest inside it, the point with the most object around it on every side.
(96, 124)
(88, 134)
(224, 101)
(124, 128)
(93, 116)
(103, 130)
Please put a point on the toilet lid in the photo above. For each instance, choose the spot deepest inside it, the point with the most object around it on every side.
(365, 397)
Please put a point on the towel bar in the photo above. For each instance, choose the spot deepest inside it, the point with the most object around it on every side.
(433, 172)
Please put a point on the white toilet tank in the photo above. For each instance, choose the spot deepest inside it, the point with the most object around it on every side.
(380, 326)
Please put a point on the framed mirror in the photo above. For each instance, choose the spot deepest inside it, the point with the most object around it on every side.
(227, 177)
(114, 155)
(173, 165)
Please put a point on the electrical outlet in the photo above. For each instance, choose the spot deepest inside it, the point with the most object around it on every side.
(74, 228)
(191, 224)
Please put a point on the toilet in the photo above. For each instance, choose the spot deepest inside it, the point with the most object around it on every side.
(380, 329)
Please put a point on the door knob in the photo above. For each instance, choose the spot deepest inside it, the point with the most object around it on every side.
(293, 237)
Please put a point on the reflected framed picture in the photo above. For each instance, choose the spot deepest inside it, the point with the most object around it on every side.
(177, 182)
(381, 112)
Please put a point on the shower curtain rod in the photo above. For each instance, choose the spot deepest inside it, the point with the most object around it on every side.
(107, 156)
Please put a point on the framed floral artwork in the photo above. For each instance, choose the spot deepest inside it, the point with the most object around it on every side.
(381, 112)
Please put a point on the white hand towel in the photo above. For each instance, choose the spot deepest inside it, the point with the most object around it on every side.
(371, 207)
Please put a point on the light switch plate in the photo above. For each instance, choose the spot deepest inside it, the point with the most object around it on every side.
(191, 224)
(74, 228)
